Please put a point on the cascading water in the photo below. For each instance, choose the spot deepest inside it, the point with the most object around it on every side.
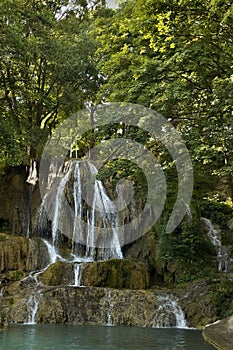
(32, 307)
(60, 198)
(77, 191)
(222, 251)
(109, 309)
(169, 313)
(108, 214)
(81, 224)
(77, 274)
(53, 256)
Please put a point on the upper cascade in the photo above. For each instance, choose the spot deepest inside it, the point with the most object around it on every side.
(76, 206)
(223, 252)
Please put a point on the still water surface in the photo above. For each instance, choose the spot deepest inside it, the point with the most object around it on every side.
(62, 337)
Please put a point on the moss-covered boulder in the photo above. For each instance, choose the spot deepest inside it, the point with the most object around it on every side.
(59, 273)
(112, 273)
(20, 256)
(116, 274)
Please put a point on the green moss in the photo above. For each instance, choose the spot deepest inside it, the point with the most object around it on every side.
(53, 275)
(116, 274)
(221, 296)
(217, 211)
(16, 275)
(3, 237)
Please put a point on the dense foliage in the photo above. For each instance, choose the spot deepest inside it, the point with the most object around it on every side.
(175, 57)
(47, 71)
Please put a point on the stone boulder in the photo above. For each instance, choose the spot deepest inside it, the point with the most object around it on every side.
(116, 274)
(219, 334)
(19, 256)
(59, 273)
(90, 305)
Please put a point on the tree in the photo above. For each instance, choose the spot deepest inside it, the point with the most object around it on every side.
(47, 71)
(175, 57)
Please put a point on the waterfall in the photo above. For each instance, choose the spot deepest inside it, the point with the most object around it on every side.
(1, 292)
(107, 209)
(109, 310)
(60, 197)
(80, 221)
(169, 313)
(77, 194)
(77, 274)
(32, 307)
(52, 251)
(222, 251)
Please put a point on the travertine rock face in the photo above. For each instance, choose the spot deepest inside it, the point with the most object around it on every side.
(91, 305)
(19, 202)
(59, 273)
(112, 274)
(19, 256)
(116, 274)
(115, 291)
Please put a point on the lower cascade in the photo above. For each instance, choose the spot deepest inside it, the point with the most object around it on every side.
(109, 309)
(32, 307)
(169, 313)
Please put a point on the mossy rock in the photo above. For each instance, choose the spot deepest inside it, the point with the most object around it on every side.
(16, 275)
(3, 237)
(59, 273)
(116, 274)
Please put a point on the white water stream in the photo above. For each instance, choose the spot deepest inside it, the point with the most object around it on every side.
(110, 307)
(77, 274)
(32, 307)
(169, 313)
(222, 251)
(84, 224)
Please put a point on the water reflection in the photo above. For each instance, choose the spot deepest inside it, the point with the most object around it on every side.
(60, 337)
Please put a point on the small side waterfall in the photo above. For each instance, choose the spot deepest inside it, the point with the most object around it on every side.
(32, 307)
(109, 309)
(169, 314)
(222, 251)
(77, 274)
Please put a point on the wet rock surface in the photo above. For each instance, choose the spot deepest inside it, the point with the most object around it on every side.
(220, 334)
(89, 305)
(110, 292)
(19, 256)
(116, 274)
